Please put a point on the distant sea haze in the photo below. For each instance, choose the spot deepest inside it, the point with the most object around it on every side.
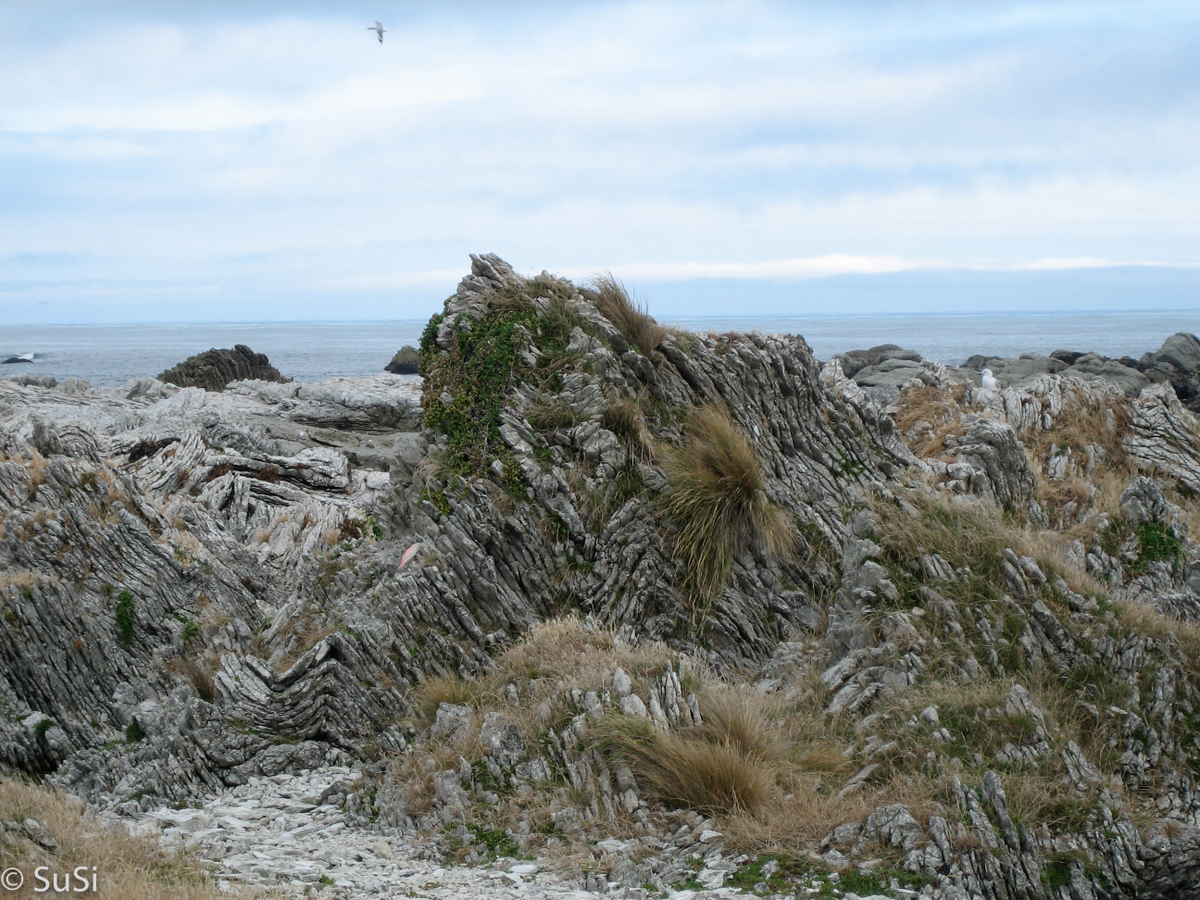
(109, 355)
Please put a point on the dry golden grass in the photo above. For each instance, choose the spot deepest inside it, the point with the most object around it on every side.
(765, 769)
(447, 687)
(23, 579)
(626, 315)
(715, 498)
(1146, 619)
(37, 472)
(689, 770)
(927, 415)
(552, 656)
(126, 867)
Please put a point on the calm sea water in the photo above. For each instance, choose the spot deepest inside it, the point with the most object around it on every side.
(309, 351)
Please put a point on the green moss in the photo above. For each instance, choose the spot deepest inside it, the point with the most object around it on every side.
(124, 618)
(780, 874)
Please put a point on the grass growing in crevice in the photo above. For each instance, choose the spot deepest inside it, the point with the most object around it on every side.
(926, 415)
(716, 501)
(624, 419)
(626, 315)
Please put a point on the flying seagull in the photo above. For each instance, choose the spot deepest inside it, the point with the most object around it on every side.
(378, 29)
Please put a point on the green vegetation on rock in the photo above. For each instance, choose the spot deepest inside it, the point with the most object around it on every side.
(124, 618)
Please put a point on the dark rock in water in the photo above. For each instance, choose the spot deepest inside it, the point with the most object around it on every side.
(407, 361)
(214, 369)
(17, 359)
(1067, 356)
(979, 362)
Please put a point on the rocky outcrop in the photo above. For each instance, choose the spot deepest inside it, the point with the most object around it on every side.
(407, 361)
(231, 553)
(200, 589)
(212, 370)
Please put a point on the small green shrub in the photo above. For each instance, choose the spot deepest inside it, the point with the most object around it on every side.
(124, 618)
(43, 726)
(1157, 542)
(134, 732)
(191, 631)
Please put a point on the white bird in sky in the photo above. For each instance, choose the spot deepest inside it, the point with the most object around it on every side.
(988, 381)
(378, 29)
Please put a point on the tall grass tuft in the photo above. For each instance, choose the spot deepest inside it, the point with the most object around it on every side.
(691, 771)
(715, 498)
(628, 316)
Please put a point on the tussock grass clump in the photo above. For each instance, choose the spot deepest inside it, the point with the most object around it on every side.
(756, 764)
(126, 866)
(730, 763)
(715, 498)
(689, 771)
(628, 316)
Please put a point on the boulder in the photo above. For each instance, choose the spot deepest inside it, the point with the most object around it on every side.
(214, 369)
(1020, 371)
(407, 361)
(1180, 351)
(1130, 381)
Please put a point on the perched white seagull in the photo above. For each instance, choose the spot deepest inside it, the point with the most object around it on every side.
(378, 29)
(988, 381)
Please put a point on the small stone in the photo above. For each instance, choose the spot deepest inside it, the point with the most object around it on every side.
(633, 707)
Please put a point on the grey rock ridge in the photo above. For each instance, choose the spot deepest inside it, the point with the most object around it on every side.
(214, 369)
(982, 605)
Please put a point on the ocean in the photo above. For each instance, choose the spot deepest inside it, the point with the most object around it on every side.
(109, 355)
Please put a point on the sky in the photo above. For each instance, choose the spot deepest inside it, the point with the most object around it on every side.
(257, 161)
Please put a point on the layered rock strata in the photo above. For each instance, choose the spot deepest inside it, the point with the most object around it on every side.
(201, 590)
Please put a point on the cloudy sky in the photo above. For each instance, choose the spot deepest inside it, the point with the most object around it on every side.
(272, 161)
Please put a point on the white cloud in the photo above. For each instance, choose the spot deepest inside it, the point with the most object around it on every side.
(780, 141)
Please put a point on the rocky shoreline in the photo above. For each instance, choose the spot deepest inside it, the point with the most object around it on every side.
(424, 636)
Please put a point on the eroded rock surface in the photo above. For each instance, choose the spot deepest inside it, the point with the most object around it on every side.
(206, 594)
